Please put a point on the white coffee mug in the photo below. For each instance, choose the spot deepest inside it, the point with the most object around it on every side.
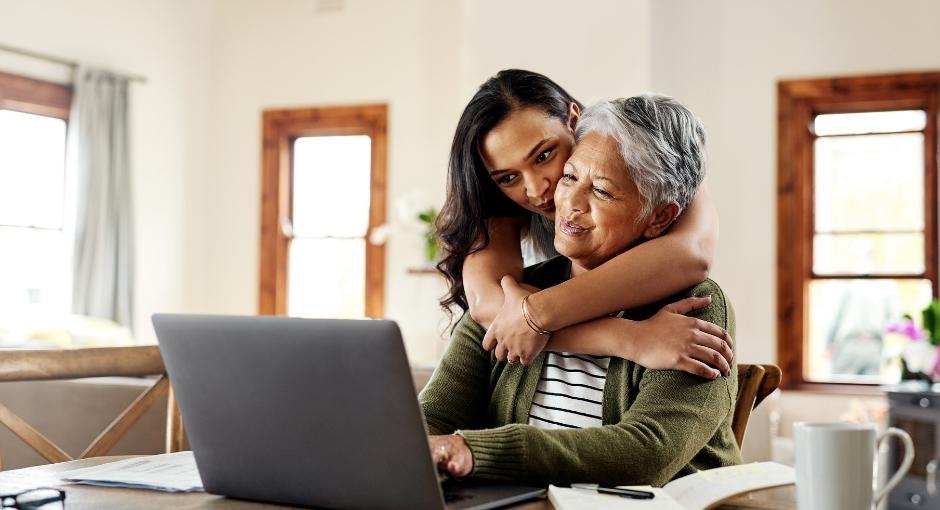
(835, 465)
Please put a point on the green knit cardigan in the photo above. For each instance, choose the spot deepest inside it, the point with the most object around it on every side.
(657, 424)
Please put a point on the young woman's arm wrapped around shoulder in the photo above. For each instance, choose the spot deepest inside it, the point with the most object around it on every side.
(483, 269)
(647, 273)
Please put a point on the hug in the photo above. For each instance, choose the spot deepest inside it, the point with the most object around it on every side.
(566, 416)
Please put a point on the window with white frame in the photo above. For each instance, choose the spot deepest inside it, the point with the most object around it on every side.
(35, 232)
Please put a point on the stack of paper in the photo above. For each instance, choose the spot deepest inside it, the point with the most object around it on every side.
(14, 482)
(170, 472)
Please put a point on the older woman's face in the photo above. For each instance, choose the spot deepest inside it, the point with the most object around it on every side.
(597, 204)
(525, 155)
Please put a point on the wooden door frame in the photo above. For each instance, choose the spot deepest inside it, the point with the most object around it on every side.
(279, 130)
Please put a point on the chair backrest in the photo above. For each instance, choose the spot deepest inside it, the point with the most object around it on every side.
(59, 364)
(755, 382)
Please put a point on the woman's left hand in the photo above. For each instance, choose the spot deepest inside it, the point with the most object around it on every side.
(509, 334)
(451, 455)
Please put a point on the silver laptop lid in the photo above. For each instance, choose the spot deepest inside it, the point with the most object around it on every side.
(299, 411)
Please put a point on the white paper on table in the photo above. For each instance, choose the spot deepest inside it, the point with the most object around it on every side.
(168, 472)
(14, 482)
(696, 491)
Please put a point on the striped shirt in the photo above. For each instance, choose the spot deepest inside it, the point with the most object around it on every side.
(570, 392)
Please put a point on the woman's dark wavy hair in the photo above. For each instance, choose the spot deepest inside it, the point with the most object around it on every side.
(472, 196)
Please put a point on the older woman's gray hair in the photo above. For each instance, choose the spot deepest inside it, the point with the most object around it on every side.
(661, 142)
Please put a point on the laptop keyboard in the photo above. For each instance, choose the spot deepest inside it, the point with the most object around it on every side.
(455, 491)
(452, 496)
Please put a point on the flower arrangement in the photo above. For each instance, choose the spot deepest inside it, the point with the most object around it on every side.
(920, 356)
(414, 218)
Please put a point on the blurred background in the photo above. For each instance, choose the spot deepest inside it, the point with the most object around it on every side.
(203, 72)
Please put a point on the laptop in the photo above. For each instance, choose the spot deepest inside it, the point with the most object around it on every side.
(309, 412)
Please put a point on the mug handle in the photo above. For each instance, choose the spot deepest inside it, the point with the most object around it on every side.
(932, 477)
(905, 464)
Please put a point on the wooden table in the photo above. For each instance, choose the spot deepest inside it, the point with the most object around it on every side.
(100, 498)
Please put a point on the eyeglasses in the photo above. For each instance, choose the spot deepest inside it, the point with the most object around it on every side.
(43, 498)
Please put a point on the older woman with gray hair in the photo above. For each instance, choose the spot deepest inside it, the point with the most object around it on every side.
(587, 417)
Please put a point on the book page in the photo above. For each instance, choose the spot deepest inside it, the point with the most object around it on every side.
(563, 498)
(700, 490)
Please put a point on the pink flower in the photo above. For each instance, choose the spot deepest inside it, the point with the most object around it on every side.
(907, 328)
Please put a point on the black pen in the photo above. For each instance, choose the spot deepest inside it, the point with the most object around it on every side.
(615, 491)
(627, 493)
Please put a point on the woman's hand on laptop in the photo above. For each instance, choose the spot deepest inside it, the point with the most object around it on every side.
(451, 455)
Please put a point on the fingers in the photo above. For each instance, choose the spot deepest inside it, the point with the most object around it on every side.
(696, 367)
(501, 351)
(522, 357)
(439, 452)
(460, 465)
(716, 362)
(684, 306)
(489, 340)
(717, 339)
(450, 456)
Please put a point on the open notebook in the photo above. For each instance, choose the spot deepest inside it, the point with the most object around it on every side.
(698, 491)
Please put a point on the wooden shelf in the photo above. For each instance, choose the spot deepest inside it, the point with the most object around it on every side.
(422, 270)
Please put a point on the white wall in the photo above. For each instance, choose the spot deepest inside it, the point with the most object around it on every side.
(285, 55)
(595, 50)
(723, 60)
(425, 65)
(166, 42)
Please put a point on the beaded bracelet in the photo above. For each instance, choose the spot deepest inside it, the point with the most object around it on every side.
(528, 318)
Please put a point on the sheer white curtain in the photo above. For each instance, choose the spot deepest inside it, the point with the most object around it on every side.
(103, 275)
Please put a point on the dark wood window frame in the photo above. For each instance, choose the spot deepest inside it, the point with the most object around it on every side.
(798, 102)
(280, 129)
(39, 97)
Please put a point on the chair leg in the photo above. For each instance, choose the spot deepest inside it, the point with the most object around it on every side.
(107, 439)
(32, 437)
(174, 425)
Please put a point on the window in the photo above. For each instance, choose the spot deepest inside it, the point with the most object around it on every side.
(35, 228)
(323, 192)
(857, 223)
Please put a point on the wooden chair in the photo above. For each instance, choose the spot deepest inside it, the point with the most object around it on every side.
(755, 382)
(60, 364)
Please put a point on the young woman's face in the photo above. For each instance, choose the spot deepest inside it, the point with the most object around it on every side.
(525, 156)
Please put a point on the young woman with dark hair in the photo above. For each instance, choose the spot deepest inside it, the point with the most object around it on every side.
(509, 150)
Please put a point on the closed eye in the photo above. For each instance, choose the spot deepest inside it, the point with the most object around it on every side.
(601, 193)
(569, 177)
